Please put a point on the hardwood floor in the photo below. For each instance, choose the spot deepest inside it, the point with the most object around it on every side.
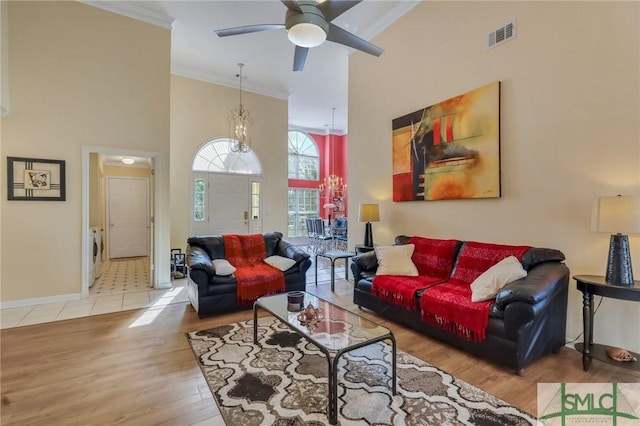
(136, 367)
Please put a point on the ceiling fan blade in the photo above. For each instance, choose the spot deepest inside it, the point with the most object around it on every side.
(248, 29)
(332, 9)
(299, 58)
(338, 35)
(291, 5)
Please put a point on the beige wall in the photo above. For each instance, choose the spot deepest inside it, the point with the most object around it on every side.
(79, 76)
(569, 133)
(199, 113)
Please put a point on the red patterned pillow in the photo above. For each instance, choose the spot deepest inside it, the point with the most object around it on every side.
(475, 258)
(433, 257)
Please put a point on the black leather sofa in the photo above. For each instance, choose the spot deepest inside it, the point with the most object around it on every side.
(210, 294)
(527, 320)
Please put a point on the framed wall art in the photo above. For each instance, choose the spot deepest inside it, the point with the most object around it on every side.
(35, 179)
(450, 150)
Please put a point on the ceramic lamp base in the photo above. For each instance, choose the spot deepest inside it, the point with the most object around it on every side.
(368, 235)
(619, 269)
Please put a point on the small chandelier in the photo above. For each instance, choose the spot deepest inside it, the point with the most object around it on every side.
(333, 185)
(239, 122)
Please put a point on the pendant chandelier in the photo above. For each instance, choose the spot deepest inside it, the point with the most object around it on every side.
(333, 185)
(239, 122)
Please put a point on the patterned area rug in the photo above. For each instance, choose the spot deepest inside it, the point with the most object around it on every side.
(284, 382)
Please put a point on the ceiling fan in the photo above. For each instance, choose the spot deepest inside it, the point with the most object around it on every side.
(308, 24)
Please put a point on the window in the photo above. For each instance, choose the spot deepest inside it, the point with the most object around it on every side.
(199, 194)
(303, 156)
(255, 200)
(303, 204)
(216, 156)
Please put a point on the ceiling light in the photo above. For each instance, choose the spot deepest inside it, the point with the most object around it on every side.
(307, 35)
(239, 122)
(128, 160)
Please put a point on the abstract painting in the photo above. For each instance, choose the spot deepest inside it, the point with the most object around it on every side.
(35, 179)
(450, 150)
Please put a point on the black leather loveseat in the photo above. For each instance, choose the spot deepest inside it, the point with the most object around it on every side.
(211, 293)
(526, 321)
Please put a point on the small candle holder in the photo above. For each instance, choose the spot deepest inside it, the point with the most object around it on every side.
(295, 301)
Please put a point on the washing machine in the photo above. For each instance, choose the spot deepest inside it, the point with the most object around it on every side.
(100, 248)
(94, 254)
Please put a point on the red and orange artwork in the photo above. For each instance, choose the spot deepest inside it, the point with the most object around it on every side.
(450, 150)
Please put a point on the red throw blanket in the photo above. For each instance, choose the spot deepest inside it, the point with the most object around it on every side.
(449, 305)
(400, 289)
(255, 278)
(433, 259)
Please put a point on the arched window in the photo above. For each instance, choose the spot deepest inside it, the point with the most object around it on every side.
(216, 156)
(304, 162)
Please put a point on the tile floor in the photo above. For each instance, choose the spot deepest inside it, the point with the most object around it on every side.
(121, 287)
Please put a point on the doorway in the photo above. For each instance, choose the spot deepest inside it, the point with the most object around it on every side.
(226, 191)
(90, 187)
(226, 204)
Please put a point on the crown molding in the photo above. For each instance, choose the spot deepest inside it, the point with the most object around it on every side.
(234, 85)
(131, 11)
(399, 10)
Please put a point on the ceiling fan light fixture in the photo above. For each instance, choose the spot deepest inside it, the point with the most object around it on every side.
(306, 35)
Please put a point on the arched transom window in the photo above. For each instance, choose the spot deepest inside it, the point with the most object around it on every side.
(216, 156)
(303, 156)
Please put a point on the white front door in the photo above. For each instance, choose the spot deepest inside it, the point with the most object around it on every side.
(128, 217)
(227, 204)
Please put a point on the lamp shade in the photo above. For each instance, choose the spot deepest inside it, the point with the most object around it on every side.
(307, 35)
(369, 213)
(619, 214)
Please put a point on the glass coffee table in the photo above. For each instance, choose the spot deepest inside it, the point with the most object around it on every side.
(336, 332)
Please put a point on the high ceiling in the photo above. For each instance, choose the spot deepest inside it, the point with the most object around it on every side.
(196, 51)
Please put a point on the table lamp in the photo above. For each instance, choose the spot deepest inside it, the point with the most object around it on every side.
(619, 216)
(368, 213)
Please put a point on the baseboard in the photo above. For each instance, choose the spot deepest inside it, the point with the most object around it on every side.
(164, 286)
(40, 300)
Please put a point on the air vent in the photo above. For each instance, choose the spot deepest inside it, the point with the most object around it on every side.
(501, 35)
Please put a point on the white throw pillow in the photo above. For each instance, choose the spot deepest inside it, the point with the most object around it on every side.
(491, 281)
(396, 260)
(223, 267)
(280, 262)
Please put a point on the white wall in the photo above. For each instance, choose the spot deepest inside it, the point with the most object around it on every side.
(79, 76)
(569, 129)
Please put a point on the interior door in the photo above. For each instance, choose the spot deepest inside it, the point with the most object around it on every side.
(128, 217)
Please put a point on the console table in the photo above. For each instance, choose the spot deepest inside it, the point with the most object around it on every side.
(591, 285)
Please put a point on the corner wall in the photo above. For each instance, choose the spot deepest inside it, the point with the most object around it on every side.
(569, 129)
(199, 113)
(79, 76)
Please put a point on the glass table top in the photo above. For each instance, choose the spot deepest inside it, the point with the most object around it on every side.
(335, 329)
(336, 254)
